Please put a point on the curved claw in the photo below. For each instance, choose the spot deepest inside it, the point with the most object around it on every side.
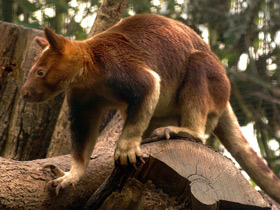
(49, 185)
(142, 160)
(74, 186)
(55, 170)
(167, 133)
(134, 166)
(57, 189)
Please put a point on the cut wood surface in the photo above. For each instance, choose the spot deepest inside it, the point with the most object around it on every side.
(197, 176)
(194, 174)
(213, 178)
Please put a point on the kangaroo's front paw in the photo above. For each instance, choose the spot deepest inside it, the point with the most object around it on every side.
(64, 181)
(128, 150)
(65, 178)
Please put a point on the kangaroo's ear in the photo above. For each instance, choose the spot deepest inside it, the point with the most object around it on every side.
(56, 41)
(41, 42)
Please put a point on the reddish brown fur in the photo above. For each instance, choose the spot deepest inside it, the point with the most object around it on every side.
(260, 162)
(151, 68)
(214, 84)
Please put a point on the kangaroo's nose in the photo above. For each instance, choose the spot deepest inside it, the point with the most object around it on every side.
(26, 94)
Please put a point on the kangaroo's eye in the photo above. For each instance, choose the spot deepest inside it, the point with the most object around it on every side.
(40, 73)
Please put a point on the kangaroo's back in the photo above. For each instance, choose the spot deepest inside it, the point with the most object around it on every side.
(160, 41)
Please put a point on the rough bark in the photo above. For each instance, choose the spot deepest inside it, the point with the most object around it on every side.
(23, 182)
(25, 129)
(109, 13)
(191, 176)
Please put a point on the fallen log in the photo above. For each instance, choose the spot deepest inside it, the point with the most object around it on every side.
(190, 175)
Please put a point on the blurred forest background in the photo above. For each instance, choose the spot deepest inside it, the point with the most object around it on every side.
(245, 34)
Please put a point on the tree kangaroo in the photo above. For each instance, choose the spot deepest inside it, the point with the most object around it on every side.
(151, 68)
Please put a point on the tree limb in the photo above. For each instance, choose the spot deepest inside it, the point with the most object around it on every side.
(23, 182)
(190, 171)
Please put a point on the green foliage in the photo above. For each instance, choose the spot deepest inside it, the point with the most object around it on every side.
(57, 14)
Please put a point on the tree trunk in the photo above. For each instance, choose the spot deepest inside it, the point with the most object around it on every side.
(109, 13)
(25, 129)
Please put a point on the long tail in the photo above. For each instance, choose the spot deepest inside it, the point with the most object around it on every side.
(229, 133)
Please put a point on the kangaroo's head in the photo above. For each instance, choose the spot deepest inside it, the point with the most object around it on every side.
(57, 67)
